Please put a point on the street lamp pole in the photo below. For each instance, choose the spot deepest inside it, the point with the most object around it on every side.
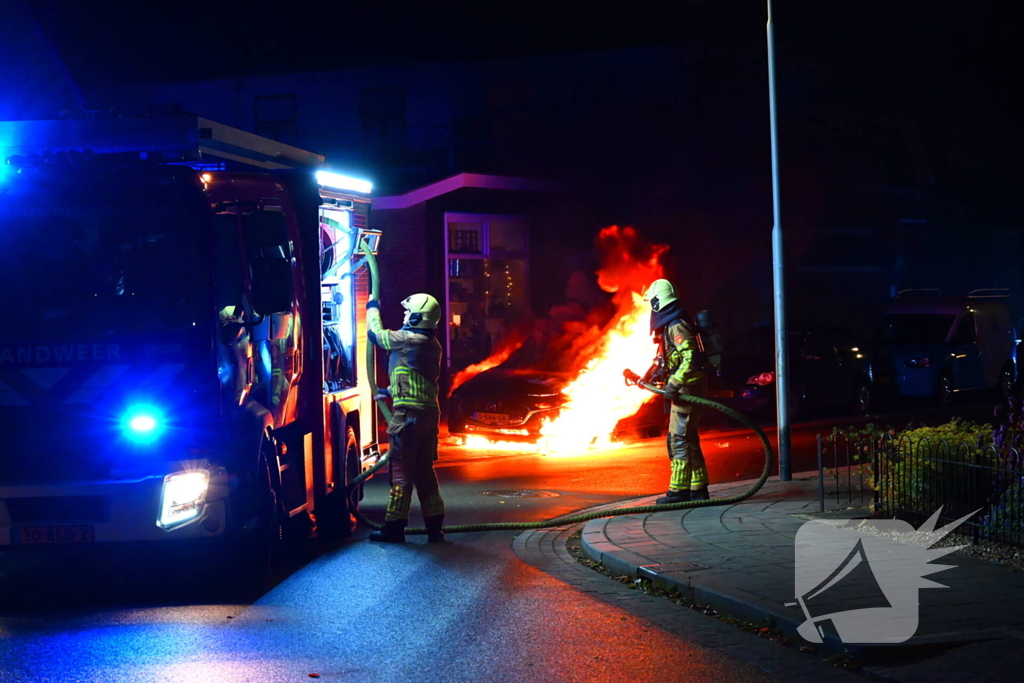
(778, 277)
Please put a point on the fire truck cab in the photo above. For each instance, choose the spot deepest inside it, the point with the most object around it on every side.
(183, 349)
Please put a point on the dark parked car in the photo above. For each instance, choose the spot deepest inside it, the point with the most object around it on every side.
(828, 372)
(936, 347)
(511, 405)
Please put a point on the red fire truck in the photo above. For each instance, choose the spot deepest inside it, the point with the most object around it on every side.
(182, 356)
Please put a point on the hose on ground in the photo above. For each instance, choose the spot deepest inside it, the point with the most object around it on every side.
(565, 519)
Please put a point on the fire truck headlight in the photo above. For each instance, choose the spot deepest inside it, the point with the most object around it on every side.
(143, 424)
(183, 497)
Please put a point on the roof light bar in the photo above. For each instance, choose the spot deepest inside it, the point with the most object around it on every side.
(343, 182)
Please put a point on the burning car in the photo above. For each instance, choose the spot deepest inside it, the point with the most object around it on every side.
(513, 405)
(510, 404)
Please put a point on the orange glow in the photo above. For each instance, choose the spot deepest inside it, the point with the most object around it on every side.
(484, 443)
(507, 347)
(598, 398)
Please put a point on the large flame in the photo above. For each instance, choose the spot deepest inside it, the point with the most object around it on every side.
(598, 398)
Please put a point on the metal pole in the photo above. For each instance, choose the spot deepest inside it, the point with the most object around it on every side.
(778, 278)
(821, 476)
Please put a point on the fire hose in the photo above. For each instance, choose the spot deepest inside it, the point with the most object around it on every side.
(564, 520)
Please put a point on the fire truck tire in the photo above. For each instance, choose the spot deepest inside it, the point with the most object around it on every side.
(255, 539)
(339, 508)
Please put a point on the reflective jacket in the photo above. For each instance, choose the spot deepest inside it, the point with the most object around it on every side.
(414, 363)
(684, 359)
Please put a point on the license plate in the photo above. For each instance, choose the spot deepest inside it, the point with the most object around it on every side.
(492, 418)
(722, 394)
(52, 534)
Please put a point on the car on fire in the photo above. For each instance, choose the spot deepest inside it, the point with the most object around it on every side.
(829, 372)
(512, 405)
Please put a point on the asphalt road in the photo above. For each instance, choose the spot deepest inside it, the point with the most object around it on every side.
(467, 610)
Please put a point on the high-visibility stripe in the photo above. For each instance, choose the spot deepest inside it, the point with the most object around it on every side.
(699, 478)
(680, 480)
(421, 393)
(399, 503)
(434, 506)
(377, 329)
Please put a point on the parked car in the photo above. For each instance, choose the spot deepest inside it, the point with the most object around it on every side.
(937, 347)
(828, 372)
(511, 405)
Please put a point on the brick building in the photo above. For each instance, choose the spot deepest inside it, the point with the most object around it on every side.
(466, 240)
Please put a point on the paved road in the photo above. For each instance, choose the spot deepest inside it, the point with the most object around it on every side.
(469, 610)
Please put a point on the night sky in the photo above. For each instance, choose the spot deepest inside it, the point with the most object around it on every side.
(957, 72)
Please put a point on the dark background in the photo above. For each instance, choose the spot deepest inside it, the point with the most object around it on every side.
(890, 113)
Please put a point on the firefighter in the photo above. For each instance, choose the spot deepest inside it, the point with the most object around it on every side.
(413, 368)
(681, 360)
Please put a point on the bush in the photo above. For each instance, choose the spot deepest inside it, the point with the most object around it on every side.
(955, 432)
(962, 466)
(942, 466)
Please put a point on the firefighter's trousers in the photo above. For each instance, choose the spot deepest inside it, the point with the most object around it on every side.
(689, 471)
(413, 448)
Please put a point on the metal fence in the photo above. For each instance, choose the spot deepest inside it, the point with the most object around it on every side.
(909, 480)
(844, 469)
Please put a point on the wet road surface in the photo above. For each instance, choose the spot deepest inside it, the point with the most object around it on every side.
(358, 611)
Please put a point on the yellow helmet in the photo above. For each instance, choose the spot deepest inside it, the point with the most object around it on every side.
(660, 294)
(422, 312)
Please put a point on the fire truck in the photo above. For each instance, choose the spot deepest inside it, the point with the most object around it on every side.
(182, 356)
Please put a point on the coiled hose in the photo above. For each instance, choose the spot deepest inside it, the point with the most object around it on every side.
(565, 519)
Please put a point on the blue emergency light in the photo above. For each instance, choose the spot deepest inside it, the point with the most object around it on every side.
(143, 424)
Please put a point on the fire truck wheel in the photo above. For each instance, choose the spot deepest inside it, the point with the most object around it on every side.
(338, 519)
(257, 536)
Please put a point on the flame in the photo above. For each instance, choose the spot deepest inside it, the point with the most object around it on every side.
(598, 398)
(508, 346)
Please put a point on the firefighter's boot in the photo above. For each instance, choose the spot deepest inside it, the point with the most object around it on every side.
(435, 533)
(673, 497)
(393, 531)
(700, 494)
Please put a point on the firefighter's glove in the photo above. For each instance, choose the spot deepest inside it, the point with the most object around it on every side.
(672, 389)
(631, 377)
(382, 395)
(372, 303)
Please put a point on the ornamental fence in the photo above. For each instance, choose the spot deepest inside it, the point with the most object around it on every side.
(909, 480)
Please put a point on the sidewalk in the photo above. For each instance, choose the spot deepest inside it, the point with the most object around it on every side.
(739, 559)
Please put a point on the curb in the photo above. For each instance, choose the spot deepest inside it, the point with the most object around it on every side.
(623, 562)
(596, 545)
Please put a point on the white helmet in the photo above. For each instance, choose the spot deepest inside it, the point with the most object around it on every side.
(422, 312)
(660, 294)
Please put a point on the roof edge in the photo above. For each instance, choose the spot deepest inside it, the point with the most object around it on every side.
(459, 181)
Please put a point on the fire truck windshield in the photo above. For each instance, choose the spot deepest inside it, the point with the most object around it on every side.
(90, 253)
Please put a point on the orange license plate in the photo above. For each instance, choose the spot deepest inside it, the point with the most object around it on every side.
(41, 535)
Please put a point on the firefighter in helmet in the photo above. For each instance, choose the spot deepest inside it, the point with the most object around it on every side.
(681, 364)
(413, 368)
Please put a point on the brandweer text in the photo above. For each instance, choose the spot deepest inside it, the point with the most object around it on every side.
(63, 353)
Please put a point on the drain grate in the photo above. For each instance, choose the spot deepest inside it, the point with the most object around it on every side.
(675, 567)
(520, 493)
